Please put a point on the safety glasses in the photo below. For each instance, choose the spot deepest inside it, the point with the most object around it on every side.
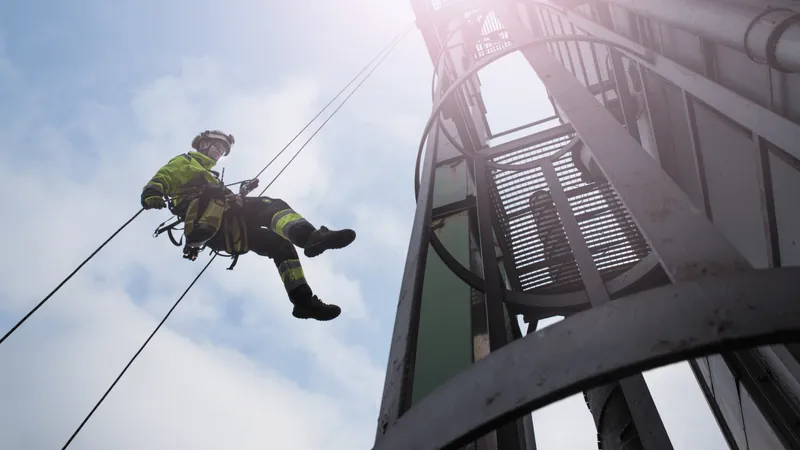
(216, 150)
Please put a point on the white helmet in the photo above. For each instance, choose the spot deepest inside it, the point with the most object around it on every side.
(214, 135)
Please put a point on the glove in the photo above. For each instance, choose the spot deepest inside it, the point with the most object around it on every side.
(153, 202)
(252, 184)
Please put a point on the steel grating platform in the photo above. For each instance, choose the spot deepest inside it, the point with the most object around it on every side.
(539, 247)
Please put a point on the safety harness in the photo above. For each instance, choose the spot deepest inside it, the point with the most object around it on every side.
(224, 211)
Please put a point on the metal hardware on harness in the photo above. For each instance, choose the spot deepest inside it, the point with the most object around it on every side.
(191, 253)
(245, 187)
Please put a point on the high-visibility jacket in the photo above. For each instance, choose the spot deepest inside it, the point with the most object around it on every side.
(183, 175)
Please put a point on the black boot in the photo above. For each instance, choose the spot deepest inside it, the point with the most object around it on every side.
(309, 306)
(324, 239)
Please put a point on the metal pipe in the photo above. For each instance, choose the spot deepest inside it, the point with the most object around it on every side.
(767, 35)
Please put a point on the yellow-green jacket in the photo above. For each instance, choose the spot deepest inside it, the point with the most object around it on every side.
(183, 175)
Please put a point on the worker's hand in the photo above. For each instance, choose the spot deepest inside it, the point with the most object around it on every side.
(154, 202)
(252, 184)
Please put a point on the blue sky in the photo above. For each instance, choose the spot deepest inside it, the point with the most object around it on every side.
(93, 99)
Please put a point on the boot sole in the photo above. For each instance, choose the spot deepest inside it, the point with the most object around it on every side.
(321, 318)
(340, 240)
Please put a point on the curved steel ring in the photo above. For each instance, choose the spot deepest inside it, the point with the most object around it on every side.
(489, 60)
(435, 113)
(650, 329)
(453, 264)
(458, 269)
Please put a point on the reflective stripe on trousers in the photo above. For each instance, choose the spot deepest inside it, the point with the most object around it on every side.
(284, 220)
(292, 274)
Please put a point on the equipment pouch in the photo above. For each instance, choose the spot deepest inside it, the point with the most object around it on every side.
(235, 235)
(203, 219)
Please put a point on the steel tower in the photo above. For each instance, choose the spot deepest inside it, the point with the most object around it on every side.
(656, 210)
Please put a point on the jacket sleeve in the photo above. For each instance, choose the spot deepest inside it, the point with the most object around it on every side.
(165, 181)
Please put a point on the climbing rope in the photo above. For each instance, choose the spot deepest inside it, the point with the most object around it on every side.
(384, 52)
(108, 391)
(96, 251)
(388, 50)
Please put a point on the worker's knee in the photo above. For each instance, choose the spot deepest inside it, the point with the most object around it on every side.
(266, 243)
(283, 251)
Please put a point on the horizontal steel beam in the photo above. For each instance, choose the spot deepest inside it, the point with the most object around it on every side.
(651, 329)
(523, 127)
(453, 208)
(527, 141)
(547, 305)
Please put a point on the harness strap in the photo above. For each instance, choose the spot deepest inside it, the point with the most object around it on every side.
(190, 252)
(168, 228)
(233, 263)
(172, 238)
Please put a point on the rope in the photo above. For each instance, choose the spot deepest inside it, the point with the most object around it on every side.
(97, 250)
(108, 391)
(388, 47)
(387, 51)
(382, 54)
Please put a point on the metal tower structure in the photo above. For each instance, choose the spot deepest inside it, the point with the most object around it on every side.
(656, 210)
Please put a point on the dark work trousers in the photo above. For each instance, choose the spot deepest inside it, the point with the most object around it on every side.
(273, 230)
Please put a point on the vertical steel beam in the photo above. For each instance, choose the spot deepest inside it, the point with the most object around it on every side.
(397, 385)
(686, 242)
(595, 287)
(697, 153)
(640, 403)
(767, 201)
(398, 382)
(470, 123)
(508, 435)
(493, 287)
(781, 132)
(626, 103)
(425, 313)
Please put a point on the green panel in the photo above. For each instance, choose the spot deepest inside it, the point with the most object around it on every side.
(444, 342)
(451, 184)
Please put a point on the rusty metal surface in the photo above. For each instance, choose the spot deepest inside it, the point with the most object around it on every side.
(686, 242)
(653, 328)
(708, 310)
(770, 125)
(394, 388)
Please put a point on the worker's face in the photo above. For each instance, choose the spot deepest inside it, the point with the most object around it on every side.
(216, 149)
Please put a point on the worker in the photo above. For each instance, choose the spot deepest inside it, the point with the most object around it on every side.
(214, 217)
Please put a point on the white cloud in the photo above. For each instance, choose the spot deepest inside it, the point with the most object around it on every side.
(178, 393)
(386, 227)
(264, 379)
(186, 389)
(683, 408)
(7, 69)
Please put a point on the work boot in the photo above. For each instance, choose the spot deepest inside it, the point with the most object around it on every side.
(309, 306)
(324, 239)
